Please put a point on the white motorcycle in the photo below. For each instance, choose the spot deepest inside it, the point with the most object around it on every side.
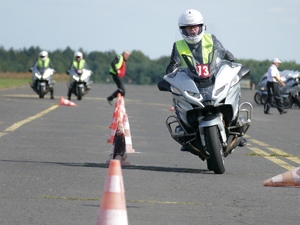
(208, 120)
(42, 81)
(80, 82)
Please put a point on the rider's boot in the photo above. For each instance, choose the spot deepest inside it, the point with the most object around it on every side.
(69, 93)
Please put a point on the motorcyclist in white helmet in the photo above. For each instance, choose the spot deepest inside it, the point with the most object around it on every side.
(43, 62)
(195, 40)
(195, 43)
(77, 64)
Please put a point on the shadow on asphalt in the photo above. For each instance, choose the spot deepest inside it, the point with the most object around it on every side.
(124, 167)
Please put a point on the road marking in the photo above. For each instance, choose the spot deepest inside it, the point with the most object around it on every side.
(127, 200)
(29, 119)
(273, 159)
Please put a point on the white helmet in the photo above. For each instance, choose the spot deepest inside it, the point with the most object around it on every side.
(191, 17)
(78, 54)
(43, 55)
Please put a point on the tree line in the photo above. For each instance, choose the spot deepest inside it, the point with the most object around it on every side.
(140, 68)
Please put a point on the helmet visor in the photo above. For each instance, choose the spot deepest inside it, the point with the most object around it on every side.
(192, 31)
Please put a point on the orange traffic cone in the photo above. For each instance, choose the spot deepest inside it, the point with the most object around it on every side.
(114, 117)
(289, 178)
(128, 140)
(113, 203)
(66, 102)
(114, 126)
(118, 150)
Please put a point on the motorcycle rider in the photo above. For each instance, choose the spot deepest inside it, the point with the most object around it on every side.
(196, 43)
(77, 64)
(43, 62)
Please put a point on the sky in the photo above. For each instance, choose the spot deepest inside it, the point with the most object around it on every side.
(256, 29)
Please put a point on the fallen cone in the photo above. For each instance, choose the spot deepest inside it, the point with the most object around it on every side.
(289, 178)
(66, 102)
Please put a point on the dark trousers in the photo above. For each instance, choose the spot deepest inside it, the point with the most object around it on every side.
(273, 90)
(120, 85)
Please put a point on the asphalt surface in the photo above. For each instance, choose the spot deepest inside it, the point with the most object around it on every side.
(53, 163)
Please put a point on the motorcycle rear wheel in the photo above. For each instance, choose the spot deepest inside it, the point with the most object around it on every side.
(214, 146)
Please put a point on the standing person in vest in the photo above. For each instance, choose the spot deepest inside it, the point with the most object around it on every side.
(78, 64)
(43, 62)
(195, 43)
(118, 71)
(273, 82)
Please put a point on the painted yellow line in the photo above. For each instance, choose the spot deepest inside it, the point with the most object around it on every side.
(285, 154)
(273, 159)
(29, 119)
(260, 143)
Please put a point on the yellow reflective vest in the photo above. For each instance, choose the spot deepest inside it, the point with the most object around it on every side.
(207, 47)
(80, 65)
(118, 65)
(43, 63)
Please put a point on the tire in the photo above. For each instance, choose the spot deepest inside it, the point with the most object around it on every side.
(41, 92)
(288, 102)
(214, 146)
(263, 99)
(79, 93)
(257, 98)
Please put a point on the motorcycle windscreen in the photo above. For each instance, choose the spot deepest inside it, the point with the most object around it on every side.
(182, 82)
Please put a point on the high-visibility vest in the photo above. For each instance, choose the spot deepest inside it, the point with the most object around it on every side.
(121, 66)
(207, 47)
(80, 65)
(43, 63)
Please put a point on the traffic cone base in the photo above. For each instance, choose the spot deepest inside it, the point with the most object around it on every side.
(127, 133)
(289, 178)
(113, 204)
(66, 102)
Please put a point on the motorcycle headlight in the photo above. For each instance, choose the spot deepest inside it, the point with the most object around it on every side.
(38, 76)
(195, 95)
(76, 78)
(175, 90)
(235, 80)
(219, 91)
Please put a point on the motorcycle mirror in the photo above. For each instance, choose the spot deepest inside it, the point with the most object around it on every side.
(244, 72)
(163, 86)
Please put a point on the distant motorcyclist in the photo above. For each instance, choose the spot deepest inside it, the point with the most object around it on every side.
(78, 64)
(197, 44)
(43, 62)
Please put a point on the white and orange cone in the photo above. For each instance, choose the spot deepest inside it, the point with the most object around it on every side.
(127, 133)
(289, 178)
(66, 102)
(114, 126)
(113, 204)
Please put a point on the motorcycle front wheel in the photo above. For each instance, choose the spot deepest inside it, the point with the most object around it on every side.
(41, 92)
(214, 146)
(79, 93)
(257, 98)
(288, 102)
